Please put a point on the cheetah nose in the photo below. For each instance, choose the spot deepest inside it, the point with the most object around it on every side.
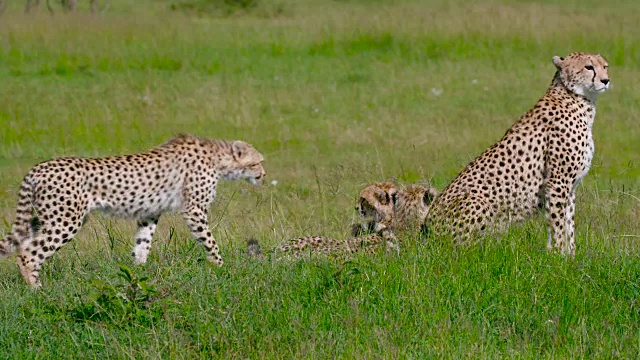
(605, 81)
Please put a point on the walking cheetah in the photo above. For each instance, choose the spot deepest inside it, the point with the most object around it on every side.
(538, 162)
(181, 174)
(406, 209)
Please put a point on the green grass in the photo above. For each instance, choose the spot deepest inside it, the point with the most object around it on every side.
(336, 94)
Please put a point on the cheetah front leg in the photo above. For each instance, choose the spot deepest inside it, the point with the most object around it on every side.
(146, 228)
(196, 218)
(571, 212)
(557, 206)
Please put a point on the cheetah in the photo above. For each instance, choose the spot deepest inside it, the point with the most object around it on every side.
(181, 174)
(393, 208)
(411, 206)
(536, 165)
(375, 202)
(323, 245)
(390, 209)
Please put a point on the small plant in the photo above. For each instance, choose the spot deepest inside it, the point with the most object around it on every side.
(121, 304)
(135, 291)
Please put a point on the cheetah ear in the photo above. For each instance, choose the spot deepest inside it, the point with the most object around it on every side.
(238, 148)
(382, 196)
(557, 61)
(429, 195)
(391, 195)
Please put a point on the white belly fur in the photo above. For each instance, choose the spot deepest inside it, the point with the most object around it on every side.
(587, 157)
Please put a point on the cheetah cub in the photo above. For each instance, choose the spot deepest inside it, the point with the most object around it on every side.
(392, 208)
(375, 202)
(181, 175)
(327, 246)
(389, 208)
(538, 162)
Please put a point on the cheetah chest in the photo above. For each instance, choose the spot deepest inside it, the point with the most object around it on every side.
(587, 152)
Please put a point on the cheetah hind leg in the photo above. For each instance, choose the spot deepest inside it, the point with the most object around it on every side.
(467, 219)
(45, 242)
(144, 235)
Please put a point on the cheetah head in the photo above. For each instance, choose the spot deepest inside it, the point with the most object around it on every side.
(411, 207)
(412, 204)
(376, 202)
(246, 163)
(583, 74)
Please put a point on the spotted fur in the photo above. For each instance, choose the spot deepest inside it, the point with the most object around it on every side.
(406, 210)
(376, 203)
(323, 245)
(537, 163)
(411, 206)
(181, 175)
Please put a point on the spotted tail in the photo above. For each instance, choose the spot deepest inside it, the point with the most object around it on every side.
(253, 248)
(25, 219)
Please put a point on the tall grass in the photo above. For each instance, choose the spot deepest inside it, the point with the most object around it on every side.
(336, 95)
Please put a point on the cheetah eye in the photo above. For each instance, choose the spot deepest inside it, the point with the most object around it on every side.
(589, 67)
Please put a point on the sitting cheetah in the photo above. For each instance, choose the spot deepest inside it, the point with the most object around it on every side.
(322, 245)
(393, 208)
(181, 174)
(538, 162)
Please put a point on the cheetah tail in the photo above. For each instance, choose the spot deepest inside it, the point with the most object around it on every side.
(253, 248)
(25, 219)
(5, 246)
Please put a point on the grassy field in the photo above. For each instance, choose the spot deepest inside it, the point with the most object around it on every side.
(336, 94)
